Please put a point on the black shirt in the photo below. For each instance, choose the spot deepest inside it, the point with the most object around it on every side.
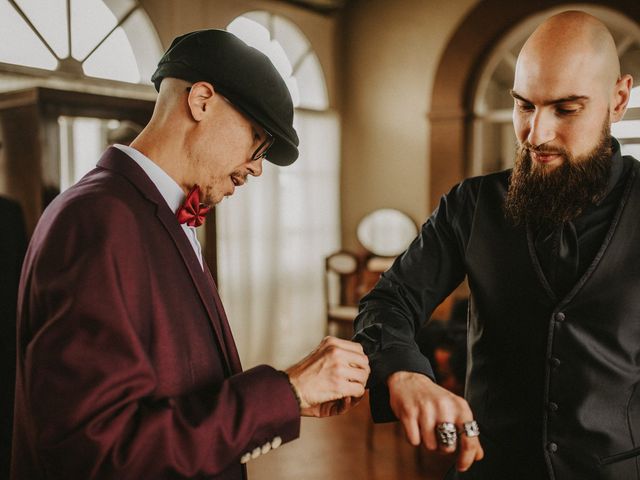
(434, 265)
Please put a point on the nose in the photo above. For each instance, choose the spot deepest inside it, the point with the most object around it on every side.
(255, 167)
(541, 128)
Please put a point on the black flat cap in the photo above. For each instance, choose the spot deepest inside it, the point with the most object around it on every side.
(242, 74)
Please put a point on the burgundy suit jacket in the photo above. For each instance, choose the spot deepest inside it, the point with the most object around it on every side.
(126, 364)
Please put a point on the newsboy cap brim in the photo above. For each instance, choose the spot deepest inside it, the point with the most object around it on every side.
(243, 75)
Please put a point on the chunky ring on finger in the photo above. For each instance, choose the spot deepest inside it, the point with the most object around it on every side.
(471, 429)
(447, 434)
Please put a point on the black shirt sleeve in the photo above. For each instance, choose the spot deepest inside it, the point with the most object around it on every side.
(406, 295)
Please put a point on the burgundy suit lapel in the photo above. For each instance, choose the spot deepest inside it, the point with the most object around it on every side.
(207, 294)
(116, 160)
(234, 358)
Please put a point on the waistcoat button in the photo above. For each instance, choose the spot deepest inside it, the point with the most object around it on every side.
(552, 447)
(555, 362)
(553, 407)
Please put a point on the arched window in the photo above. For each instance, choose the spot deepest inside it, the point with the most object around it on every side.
(273, 235)
(493, 142)
(110, 39)
(290, 52)
(107, 47)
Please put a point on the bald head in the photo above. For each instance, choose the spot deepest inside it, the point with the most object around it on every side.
(568, 88)
(574, 44)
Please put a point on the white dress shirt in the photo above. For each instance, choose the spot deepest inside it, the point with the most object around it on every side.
(168, 188)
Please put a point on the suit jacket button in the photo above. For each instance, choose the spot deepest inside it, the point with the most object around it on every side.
(245, 458)
(256, 452)
(276, 442)
(552, 447)
(560, 317)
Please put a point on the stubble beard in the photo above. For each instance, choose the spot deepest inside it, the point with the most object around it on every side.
(548, 197)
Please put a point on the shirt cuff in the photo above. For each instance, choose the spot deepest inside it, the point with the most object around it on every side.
(385, 363)
(396, 359)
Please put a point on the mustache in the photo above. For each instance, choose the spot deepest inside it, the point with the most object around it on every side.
(543, 149)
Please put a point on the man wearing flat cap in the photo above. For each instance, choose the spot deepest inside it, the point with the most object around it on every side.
(127, 368)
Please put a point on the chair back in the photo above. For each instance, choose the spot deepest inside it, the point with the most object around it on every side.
(342, 278)
(374, 266)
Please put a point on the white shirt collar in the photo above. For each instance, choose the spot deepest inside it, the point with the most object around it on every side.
(167, 186)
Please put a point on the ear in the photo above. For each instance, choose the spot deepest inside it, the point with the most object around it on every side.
(620, 98)
(201, 96)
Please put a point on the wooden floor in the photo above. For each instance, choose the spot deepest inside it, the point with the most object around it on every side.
(336, 449)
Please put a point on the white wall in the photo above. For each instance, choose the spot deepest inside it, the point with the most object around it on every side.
(392, 50)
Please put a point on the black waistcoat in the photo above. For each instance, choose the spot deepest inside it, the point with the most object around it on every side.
(554, 382)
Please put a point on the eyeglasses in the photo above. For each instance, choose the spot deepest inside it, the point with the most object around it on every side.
(263, 148)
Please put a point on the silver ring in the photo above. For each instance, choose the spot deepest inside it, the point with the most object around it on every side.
(471, 429)
(447, 434)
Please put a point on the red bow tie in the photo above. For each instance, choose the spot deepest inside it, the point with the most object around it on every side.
(192, 212)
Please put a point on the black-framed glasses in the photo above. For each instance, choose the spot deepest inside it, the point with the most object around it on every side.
(263, 148)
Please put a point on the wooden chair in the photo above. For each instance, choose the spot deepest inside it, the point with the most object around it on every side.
(374, 266)
(342, 277)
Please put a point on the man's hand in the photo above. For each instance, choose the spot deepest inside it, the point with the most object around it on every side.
(331, 379)
(420, 404)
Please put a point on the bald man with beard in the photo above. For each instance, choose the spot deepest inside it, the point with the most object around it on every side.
(550, 250)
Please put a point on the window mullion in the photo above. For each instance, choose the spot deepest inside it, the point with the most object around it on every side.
(120, 22)
(33, 28)
(69, 26)
(301, 59)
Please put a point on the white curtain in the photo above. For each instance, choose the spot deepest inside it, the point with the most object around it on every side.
(272, 237)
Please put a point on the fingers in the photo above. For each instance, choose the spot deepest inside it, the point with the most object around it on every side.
(434, 416)
(351, 370)
(446, 430)
(411, 430)
(336, 407)
(335, 370)
(427, 429)
(354, 360)
(348, 352)
(355, 374)
(349, 389)
(352, 365)
(470, 451)
(345, 344)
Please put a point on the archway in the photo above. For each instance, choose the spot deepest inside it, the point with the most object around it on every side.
(464, 57)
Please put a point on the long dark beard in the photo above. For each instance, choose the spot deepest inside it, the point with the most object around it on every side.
(547, 197)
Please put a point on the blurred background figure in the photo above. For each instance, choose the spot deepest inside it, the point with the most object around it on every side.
(124, 133)
(13, 243)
